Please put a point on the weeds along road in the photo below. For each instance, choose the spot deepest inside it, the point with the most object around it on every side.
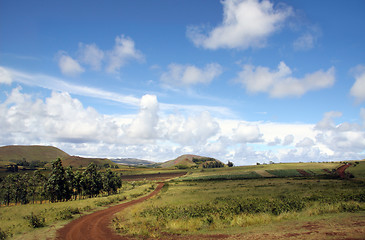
(95, 225)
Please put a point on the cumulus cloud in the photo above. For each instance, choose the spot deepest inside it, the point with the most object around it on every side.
(69, 66)
(358, 89)
(196, 129)
(246, 23)
(305, 143)
(327, 122)
(144, 125)
(5, 76)
(246, 133)
(288, 140)
(91, 55)
(188, 75)
(150, 133)
(124, 50)
(280, 83)
(346, 138)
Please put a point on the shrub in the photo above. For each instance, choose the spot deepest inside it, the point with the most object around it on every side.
(3, 235)
(35, 221)
(68, 213)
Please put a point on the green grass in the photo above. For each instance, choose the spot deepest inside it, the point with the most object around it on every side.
(359, 170)
(186, 207)
(16, 221)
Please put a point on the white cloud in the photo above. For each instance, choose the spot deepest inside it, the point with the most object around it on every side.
(5, 76)
(246, 133)
(280, 83)
(246, 23)
(91, 55)
(69, 66)
(327, 121)
(305, 143)
(144, 125)
(358, 89)
(124, 51)
(63, 121)
(187, 75)
(288, 140)
(305, 42)
(194, 130)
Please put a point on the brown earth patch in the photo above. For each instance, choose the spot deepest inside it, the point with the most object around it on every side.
(154, 176)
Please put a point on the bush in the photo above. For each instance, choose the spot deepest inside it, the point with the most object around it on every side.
(68, 213)
(35, 221)
(2, 235)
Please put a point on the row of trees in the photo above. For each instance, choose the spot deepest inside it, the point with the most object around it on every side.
(63, 184)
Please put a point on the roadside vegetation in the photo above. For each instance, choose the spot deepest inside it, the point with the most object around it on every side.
(41, 221)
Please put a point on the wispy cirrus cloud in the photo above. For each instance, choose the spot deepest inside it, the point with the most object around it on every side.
(57, 84)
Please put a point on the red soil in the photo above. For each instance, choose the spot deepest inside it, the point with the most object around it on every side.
(95, 225)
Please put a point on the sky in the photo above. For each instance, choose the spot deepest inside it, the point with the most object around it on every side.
(246, 81)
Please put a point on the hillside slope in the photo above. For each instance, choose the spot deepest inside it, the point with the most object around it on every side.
(31, 153)
(188, 160)
(34, 153)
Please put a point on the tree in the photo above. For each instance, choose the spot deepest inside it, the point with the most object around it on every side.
(57, 187)
(230, 164)
(91, 180)
(111, 182)
(70, 178)
(36, 183)
(78, 184)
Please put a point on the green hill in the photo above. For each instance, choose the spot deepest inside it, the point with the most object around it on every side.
(189, 160)
(31, 153)
(46, 154)
(77, 162)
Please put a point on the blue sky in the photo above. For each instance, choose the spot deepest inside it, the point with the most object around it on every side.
(241, 80)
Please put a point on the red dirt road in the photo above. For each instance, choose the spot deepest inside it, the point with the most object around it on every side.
(95, 225)
(341, 170)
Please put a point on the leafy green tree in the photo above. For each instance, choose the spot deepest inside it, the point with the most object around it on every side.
(36, 183)
(70, 178)
(7, 189)
(78, 184)
(91, 181)
(111, 181)
(230, 164)
(20, 186)
(57, 187)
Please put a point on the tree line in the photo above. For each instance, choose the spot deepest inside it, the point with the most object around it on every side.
(62, 184)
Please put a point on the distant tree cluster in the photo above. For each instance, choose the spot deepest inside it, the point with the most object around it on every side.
(62, 184)
(202, 160)
(213, 164)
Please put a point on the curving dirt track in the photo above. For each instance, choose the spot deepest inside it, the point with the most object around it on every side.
(341, 170)
(95, 225)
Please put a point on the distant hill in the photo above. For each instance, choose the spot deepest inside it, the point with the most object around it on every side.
(31, 153)
(36, 153)
(132, 161)
(76, 161)
(190, 160)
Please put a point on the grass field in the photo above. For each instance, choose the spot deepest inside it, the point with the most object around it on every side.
(234, 206)
(20, 222)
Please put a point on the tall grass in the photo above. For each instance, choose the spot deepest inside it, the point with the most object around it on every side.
(22, 220)
(188, 207)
